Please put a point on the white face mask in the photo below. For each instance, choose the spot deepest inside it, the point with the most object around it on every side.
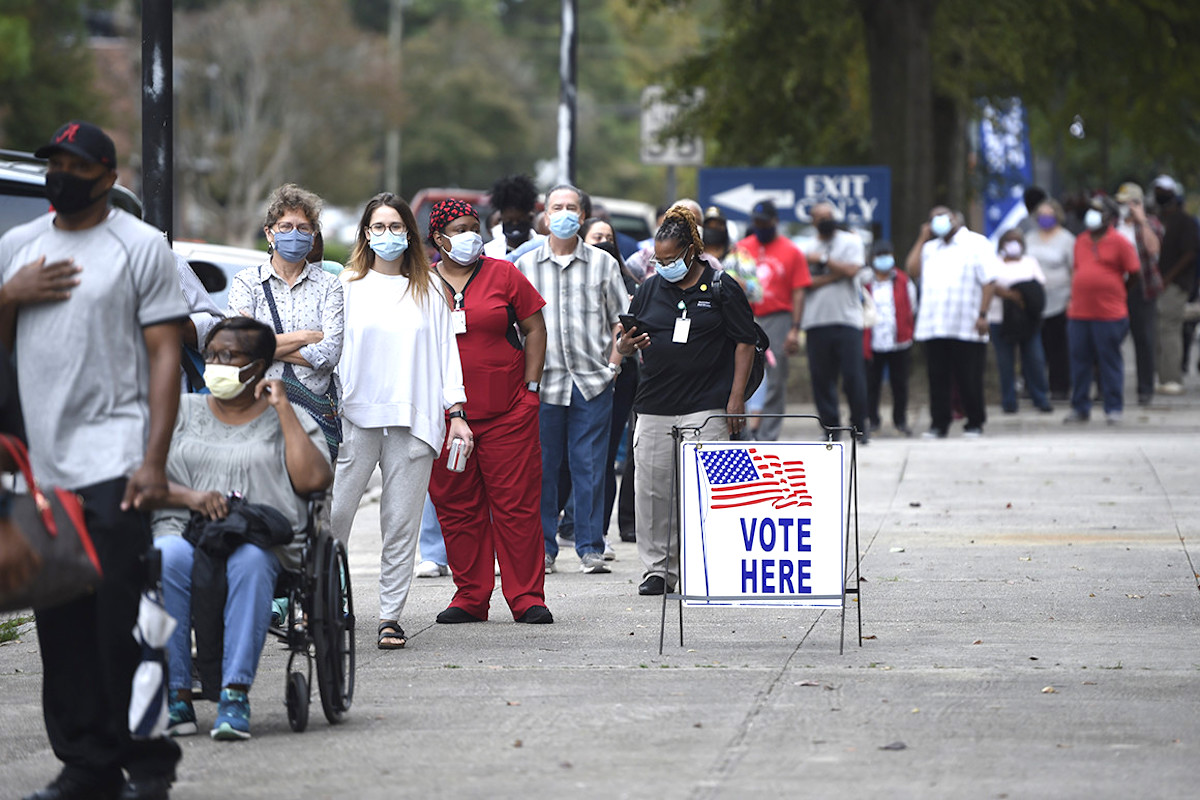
(1013, 249)
(465, 247)
(224, 380)
(1093, 219)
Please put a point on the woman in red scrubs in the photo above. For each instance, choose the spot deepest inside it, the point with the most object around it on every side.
(491, 510)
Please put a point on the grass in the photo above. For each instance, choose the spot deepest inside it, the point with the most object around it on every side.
(9, 628)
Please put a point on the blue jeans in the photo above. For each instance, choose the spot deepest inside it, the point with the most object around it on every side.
(433, 546)
(1033, 367)
(1097, 343)
(251, 573)
(583, 428)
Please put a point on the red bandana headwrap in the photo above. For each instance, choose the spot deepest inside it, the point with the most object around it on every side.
(446, 212)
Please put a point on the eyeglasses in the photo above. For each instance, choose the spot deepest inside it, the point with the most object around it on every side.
(222, 356)
(658, 262)
(378, 228)
(287, 227)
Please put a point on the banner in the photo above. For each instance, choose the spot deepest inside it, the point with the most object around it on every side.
(762, 524)
(1005, 162)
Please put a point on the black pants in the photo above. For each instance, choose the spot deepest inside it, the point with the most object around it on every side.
(1143, 325)
(837, 351)
(1058, 355)
(89, 654)
(954, 362)
(897, 364)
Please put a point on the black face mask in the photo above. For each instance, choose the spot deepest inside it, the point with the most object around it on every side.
(70, 194)
(516, 233)
(715, 237)
(1163, 198)
(826, 227)
(765, 234)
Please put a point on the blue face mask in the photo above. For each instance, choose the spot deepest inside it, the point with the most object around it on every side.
(389, 246)
(941, 225)
(564, 224)
(885, 262)
(293, 246)
(674, 271)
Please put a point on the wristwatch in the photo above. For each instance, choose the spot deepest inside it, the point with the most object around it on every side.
(534, 386)
(460, 414)
(615, 369)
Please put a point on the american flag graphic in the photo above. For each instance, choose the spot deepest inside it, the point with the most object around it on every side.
(745, 477)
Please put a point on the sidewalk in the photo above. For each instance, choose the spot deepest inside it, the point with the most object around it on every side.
(1030, 607)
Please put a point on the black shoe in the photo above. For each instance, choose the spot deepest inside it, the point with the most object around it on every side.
(537, 615)
(653, 585)
(628, 536)
(66, 787)
(157, 788)
(454, 615)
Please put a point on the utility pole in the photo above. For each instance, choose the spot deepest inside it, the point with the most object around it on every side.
(158, 97)
(568, 91)
(391, 147)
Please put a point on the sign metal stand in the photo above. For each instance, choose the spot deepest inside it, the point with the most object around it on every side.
(851, 577)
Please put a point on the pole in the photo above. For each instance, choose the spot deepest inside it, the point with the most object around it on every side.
(391, 149)
(158, 93)
(568, 91)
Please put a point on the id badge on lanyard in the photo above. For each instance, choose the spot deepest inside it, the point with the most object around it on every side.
(683, 326)
(458, 316)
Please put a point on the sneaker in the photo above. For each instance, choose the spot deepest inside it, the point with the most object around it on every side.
(1171, 388)
(593, 564)
(933, 433)
(1113, 417)
(233, 717)
(972, 433)
(432, 569)
(181, 716)
(550, 568)
(609, 553)
(1075, 418)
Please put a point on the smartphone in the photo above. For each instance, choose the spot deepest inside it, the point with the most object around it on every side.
(629, 321)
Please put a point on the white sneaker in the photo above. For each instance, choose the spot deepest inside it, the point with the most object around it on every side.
(1171, 388)
(593, 564)
(609, 553)
(432, 569)
(1113, 418)
(550, 568)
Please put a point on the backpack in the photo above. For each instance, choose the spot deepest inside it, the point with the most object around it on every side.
(762, 343)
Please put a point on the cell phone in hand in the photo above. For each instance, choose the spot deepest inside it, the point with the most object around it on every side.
(629, 321)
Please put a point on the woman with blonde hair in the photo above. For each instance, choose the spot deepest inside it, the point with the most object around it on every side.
(400, 374)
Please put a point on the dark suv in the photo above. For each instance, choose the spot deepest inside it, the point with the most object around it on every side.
(22, 179)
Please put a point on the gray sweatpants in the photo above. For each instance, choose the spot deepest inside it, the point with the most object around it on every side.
(776, 326)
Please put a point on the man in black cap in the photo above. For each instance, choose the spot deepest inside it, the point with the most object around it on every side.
(91, 295)
(783, 272)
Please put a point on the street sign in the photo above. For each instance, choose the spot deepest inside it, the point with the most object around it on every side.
(861, 196)
(657, 116)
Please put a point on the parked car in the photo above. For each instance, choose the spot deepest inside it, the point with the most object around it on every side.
(216, 264)
(22, 195)
(630, 217)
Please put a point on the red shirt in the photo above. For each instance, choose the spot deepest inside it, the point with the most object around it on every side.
(493, 363)
(1098, 285)
(781, 269)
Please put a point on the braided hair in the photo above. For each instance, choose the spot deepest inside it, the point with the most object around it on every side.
(680, 225)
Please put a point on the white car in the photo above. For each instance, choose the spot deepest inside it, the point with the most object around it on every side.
(216, 264)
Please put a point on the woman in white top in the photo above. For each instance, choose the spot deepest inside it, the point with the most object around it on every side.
(1020, 284)
(400, 373)
(1054, 248)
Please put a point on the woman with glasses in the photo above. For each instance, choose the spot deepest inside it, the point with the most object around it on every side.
(244, 437)
(696, 342)
(490, 511)
(400, 375)
(301, 302)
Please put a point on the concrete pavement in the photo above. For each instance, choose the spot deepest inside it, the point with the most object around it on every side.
(1030, 604)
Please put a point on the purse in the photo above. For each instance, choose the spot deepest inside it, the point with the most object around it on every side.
(53, 524)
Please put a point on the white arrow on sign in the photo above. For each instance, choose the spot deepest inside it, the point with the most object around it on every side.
(743, 198)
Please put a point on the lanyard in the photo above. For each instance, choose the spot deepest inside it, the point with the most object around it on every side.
(458, 296)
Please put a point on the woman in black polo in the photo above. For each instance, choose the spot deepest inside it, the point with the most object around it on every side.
(696, 341)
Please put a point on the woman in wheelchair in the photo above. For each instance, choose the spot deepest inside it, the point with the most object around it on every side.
(243, 438)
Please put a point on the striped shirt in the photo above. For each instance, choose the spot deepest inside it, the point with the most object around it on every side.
(583, 300)
(953, 275)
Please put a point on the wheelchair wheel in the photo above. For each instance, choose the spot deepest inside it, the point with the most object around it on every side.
(333, 629)
(297, 701)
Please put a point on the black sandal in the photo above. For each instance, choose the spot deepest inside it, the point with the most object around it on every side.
(390, 629)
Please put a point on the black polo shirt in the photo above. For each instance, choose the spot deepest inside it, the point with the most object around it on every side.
(697, 375)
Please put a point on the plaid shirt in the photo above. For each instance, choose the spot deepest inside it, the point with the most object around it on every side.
(583, 300)
(953, 275)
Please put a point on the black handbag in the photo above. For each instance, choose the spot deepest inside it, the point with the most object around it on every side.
(52, 522)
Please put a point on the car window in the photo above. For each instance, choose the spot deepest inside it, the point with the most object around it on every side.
(18, 208)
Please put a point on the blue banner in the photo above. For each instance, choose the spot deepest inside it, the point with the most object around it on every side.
(1005, 163)
(861, 196)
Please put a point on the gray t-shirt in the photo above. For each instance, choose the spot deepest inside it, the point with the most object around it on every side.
(840, 302)
(1056, 255)
(82, 366)
(209, 455)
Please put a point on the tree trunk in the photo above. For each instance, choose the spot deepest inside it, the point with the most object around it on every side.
(897, 34)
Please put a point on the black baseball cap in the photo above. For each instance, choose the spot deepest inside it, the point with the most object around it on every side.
(82, 139)
(764, 209)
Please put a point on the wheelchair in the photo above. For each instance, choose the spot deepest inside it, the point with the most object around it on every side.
(319, 626)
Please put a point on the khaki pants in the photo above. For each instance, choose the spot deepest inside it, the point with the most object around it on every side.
(654, 499)
(1170, 334)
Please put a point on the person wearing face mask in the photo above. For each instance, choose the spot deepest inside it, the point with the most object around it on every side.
(90, 298)
(515, 197)
(888, 344)
(243, 437)
(1144, 232)
(302, 303)
(1054, 248)
(697, 347)
(1015, 320)
(584, 296)
(1098, 317)
(490, 512)
(956, 268)
(833, 321)
(400, 374)
(784, 276)
(1177, 260)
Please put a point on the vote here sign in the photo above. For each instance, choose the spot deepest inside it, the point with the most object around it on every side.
(762, 524)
